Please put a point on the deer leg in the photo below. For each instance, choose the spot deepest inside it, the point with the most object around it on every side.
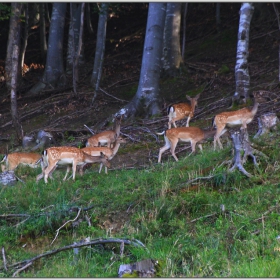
(48, 170)
(173, 147)
(100, 168)
(67, 171)
(217, 136)
(163, 149)
(188, 121)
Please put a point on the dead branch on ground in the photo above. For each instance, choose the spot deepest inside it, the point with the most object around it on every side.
(26, 263)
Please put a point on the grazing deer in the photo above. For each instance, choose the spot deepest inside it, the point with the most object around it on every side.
(240, 117)
(107, 137)
(180, 111)
(67, 156)
(13, 160)
(108, 152)
(185, 134)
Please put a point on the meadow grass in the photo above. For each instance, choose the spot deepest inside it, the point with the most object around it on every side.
(221, 225)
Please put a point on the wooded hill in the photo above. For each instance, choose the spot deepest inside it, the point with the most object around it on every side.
(193, 216)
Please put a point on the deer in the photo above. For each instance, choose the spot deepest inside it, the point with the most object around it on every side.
(64, 155)
(107, 137)
(241, 117)
(180, 111)
(108, 152)
(13, 160)
(194, 135)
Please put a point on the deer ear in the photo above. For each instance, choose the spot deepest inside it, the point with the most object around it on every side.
(198, 95)
(188, 97)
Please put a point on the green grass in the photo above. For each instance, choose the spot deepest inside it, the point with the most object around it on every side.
(181, 224)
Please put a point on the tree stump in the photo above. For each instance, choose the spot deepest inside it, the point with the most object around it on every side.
(8, 178)
(241, 143)
(267, 122)
(141, 269)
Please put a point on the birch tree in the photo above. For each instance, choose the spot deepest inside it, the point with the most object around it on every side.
(171, 40)
(53, 76)
(146, 101)
(242, 77)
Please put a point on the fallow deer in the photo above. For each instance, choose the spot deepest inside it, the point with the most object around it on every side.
(180, 111)
(172, 136)
(106, 137)
(55, 156)
(13, 160)
(108, 152)
(241, 117)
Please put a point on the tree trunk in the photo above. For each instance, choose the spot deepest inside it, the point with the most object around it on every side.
(14, 39)
(25, 35)
(171, 39)
(77, 56)
(43, 41)
(89, 25)
(242, 77)
(53, 76)
(100, 49)
(12, 65)
(218, 16)
(278, 20)
(184, 31)
(146, 101)
(74, 34)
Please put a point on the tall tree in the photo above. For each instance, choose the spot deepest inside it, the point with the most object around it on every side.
(184, 31)
(146, 101)
(25, 33)
(74, 35)
(242, 77)
(100, 48)
(278, 20)
(12, 64)
(75, 38)
(43, 41)
(54, 70)
(171, 39)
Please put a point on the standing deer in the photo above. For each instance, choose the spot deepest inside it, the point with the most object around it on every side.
(55, 156)
(108, 152)
(240, 117)
(180, 111)
(106, 137)
(13, 160)
(172, 136)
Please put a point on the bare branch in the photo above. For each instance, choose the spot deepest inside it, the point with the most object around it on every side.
(57, 231)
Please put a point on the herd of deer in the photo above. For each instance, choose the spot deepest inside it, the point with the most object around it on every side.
(95, 152)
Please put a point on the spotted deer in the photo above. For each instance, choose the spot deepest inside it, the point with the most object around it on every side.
(13, 160)
(194, 135)
(108, 152)
(180, 111)
(107, 137)
(241, 117)
(68, 156)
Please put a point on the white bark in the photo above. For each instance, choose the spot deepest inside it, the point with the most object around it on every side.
(242, 77)
(146, 100)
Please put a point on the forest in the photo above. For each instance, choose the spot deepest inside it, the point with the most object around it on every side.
(153, 199)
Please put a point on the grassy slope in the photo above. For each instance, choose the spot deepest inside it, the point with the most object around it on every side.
(181, 224)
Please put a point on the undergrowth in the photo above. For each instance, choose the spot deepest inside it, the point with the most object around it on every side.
(193, 216)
